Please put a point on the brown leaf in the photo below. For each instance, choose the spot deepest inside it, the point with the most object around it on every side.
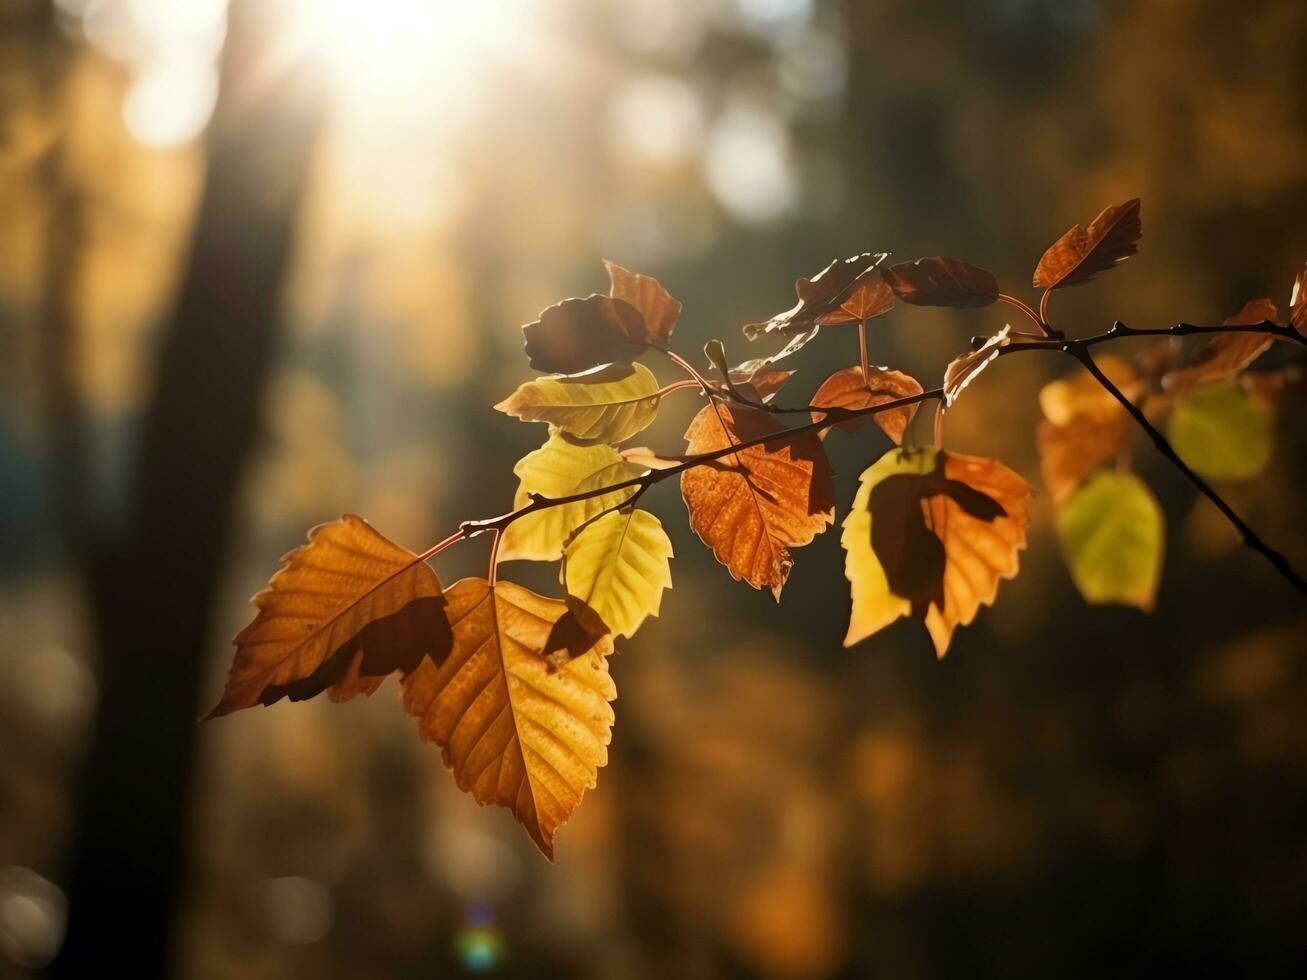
(1082, 253)
(578, 334)
(870, 298)
(751, 507)
(343, 612)
(961, 371)
(762, 384)
(660, 308)
(1227, 354)
(1069, 453)
(818, 296)
(940, 281)
(849, 389)
(516, 730)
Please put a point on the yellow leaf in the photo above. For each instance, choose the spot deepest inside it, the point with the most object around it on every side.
(609, 404)
(559, 468)
(617, 568)
(930, 536)
(1112, 537)
(751, 507)
(515, 731)
(343, 612)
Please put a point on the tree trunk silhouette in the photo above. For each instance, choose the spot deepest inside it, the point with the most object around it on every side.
(151, 582)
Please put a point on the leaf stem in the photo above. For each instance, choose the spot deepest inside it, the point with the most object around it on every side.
(862, 351)
(1036, 318)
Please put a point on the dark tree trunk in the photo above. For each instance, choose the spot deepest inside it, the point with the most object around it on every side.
(152, 586)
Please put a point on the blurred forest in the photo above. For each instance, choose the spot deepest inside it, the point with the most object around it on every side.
(265, 263)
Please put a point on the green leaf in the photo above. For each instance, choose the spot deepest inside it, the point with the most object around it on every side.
(617, 567)
(559, 468)
(609, 404)
(1112, 532)
(1222, 433)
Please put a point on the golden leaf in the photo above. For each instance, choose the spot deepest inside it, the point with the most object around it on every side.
(515, 731)
(560, 468)
(1069, 453)
(930, 536)
(609, 404)
(941, 281)
(751, 507)
(1080, 394)
(1082, 253)
(1226, 355)
(342, 612)
(616, 569)
(848, 389)
(660, 308)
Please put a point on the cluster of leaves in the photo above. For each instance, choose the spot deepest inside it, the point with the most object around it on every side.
(514, 687)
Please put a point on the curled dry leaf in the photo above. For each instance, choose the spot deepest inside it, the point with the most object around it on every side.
(751, 507)
(579, 334)
(941, 281)
(609, 404)
(962, 370)
(930, 536)
(1298, 303)
(615, 570)
(516, 731)
(849, 389)
(560, 468)
(660, 308)
(1227, 354)
(343, 612)
(1082, 253)
(820, 296)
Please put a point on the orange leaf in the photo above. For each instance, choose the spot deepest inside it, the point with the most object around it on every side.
(1069, 453)
(931, 534)
(515, 730)
(961, 371)
(343, 612)
(578, 334)
(1227, 354)
(870, 298)
(660, 308)
(941, 281)
(818, 296)
(1082, 253)
(849, 389)
(751, 507)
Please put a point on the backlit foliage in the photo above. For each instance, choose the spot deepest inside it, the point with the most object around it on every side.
(514, 686)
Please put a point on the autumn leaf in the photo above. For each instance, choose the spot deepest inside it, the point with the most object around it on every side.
(940, 281)
(1221, 432)
(1082, 253)
(1227, 354)
(961, 371)
(751, 507)
(758, 365)
(515, 730)
(660, 308)
(1085, 426)
(930, 536)
(578, 334)
(761, 384)
(819, 296)
(1112, 533)
(1298, 303)
(560, 468)
(870, 298)
(343, 612)
(608, 404)
(849, 389)
(615, 569)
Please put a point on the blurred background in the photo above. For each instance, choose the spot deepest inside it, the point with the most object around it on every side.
(262, 263)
